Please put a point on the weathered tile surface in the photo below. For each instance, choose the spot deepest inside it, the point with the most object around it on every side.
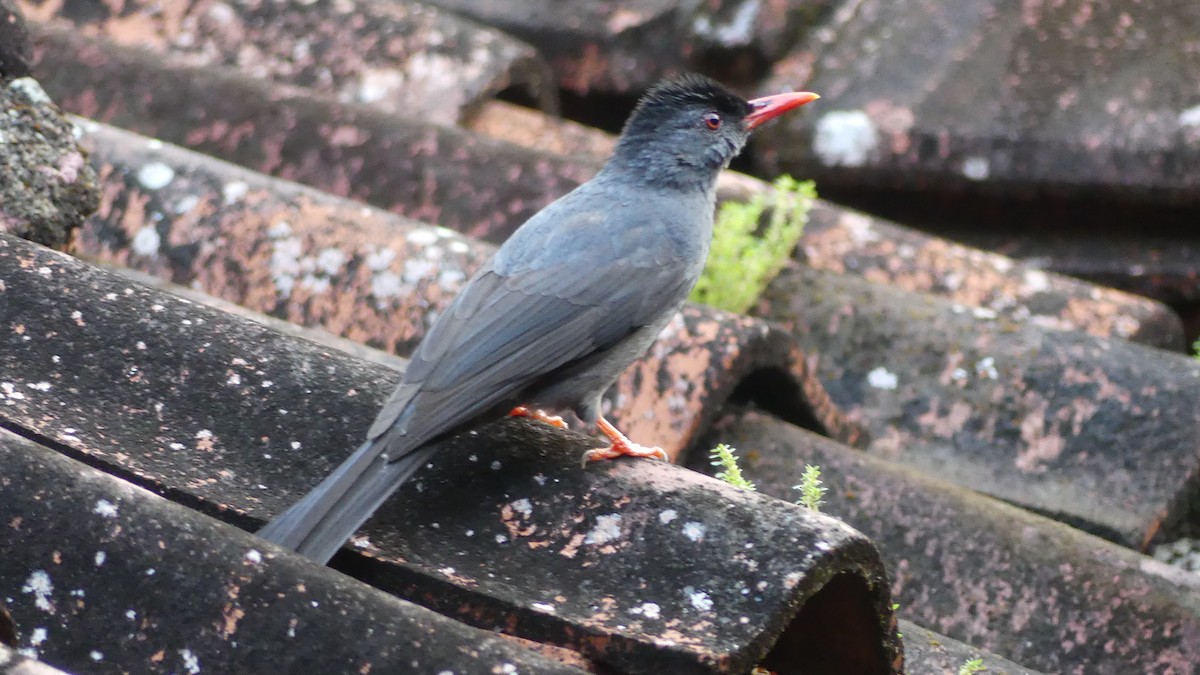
(639, 564)
(400, 57)
(941, 95)
(1028, 588)
(1102, 433)
(106, 577)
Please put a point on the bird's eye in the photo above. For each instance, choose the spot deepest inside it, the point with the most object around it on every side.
(713, 121)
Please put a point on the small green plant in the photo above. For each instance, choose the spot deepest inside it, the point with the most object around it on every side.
(1196, 349)
(726, 458)
(810, 487)
(742, 260)
(971, 667)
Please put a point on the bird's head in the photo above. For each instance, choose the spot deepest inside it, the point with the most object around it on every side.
(684, 131)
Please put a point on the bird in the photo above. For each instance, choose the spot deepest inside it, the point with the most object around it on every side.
(564, 306)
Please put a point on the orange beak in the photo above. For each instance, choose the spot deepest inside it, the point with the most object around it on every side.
(770, 107)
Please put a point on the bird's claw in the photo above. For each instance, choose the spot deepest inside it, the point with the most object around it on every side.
(539, 415)
(630, 450)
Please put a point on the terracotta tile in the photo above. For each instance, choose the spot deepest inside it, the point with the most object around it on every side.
(1099, 432)
(982, 571)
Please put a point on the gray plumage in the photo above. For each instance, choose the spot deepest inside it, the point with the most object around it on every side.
(566, 304)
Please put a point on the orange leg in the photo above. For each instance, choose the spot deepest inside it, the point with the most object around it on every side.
(621, 446)
(539, 415)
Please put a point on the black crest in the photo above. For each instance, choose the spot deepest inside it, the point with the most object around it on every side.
(687, 91)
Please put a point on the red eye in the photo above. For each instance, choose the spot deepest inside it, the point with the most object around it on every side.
(712, 121)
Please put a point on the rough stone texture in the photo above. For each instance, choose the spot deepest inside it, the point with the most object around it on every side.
(1101, 433)
(624, 47)
(1166, 267)
(930, 653)
(425, 171)
(14, 42)
(400, 57)
(107, 577)
(987, 573)
(845, 241)
(639, 564)
(47, 188)
(15, 663)
(943, 95)
(304, 256)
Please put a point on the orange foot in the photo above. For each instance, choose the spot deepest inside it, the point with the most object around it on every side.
(539, 415)
(621, 446)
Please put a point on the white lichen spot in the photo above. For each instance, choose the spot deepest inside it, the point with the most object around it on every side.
(253, 556)
(860, 228)
(233, 191)
(234, 379)
(959, 373)
(500, 539)
(450, 279)
(41, 587)
(984, 313)
(1189, 117)
(649, 610)
(191, 662)
(738, 31)
(976, 168)
(101, 556)
(1036, 280)
(280, 230)
(37, 636)
(30, 89)
(176, 446)
(416, 271)
(146, 242)
(39, 386)
(96, 655)
(422, 236)
(496, 465)
(203, 435)
(459, 247)
(523, 507)
(845, 138)
(379, 260)
(131, 615)
(882, 378)
(667, 515)
(285, 262)
(699, 599)
(376, 84)
(296, 445)
(539, 478)
(330, 261)
(155, 176)
(986, 367)
(105, 509)
(694, 530)
(385, 285)
(267, 384)
(186, 204)
(141, 346)
(607, 529)
(543, 607)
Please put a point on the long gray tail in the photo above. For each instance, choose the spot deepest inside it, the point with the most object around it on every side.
(318, 524)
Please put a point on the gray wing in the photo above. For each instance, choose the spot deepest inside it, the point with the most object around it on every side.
(526, 314)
